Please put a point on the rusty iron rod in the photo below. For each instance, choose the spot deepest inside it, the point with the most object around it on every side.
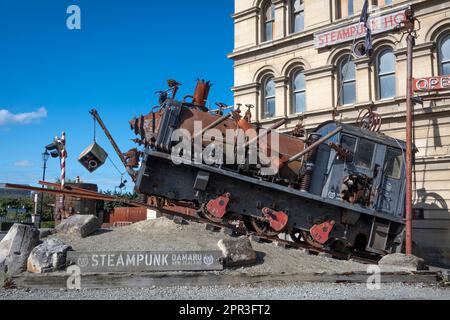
(267, 132)
(93, 196)
(435, 97)
(409, 141)
(96, 196)
(68, 188)
(315, 145)
(212, 125)
(130, 171)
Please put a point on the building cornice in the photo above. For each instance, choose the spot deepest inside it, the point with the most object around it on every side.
(253, 85)
(420, 50)
(363, 63)
(244, 15)
(346, 111)
(321, 72)
(308, 35)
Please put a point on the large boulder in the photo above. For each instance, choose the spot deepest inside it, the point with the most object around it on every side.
(44, 233)
(79, 225)
(50, 256)
(403, 261)
(16, 247)
(237, 252)
(2, 276)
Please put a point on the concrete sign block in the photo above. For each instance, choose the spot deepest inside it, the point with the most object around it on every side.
(129, 262)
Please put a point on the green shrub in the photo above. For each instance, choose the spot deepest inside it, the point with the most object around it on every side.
(48, 224)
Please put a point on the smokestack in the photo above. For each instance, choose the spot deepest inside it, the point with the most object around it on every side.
(201, 92)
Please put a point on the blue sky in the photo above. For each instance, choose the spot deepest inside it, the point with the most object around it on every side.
(50, 76)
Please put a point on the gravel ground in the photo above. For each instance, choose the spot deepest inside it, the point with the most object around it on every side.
(163, 234)
(303, 291)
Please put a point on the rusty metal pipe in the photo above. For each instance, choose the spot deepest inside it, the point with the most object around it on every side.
(213, 125)
(409, 142)
(267, 132)
(130, 171)
(68, 188)
(314, 145)
(93, 196)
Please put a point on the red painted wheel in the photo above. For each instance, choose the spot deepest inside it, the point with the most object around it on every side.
(206, 214)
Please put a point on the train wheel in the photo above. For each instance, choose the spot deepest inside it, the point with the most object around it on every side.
(206, 214)
(310, 240)
(262, 227)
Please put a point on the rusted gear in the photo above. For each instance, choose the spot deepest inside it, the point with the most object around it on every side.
(369, 120)
(300, 131)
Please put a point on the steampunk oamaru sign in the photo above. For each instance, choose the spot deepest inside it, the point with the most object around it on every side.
(125, 262)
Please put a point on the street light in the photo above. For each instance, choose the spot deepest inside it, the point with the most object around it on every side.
(45, 157)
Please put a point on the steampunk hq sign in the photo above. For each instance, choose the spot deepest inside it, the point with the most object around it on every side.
(349, 32)
(121, 262)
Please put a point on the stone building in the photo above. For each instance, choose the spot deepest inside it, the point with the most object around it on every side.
(293, 58)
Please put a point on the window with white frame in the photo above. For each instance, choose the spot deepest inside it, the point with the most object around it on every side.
(444, 56)
(268, 98)
(269, 21)
(345, 8)
(347, 81)
(298, 15)
(299, 92)
(381, 3)
(386, 74)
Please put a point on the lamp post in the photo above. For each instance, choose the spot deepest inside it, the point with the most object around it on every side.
(45, 157)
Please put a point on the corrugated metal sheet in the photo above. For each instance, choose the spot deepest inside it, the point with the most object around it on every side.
(128, 215)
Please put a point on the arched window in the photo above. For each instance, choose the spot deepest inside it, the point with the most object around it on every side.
(268, 99)
(381, 3)
(386, 75)
(345, 8)
(347, 78)
(298, 15)
(269, 21)
(299, 92)
(444, 56)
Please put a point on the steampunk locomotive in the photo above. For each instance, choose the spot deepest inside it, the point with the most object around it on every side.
(341, 187)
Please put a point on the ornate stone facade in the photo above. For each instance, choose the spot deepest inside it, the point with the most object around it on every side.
(291, 50)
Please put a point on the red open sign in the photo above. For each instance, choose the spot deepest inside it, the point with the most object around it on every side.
(431, 84)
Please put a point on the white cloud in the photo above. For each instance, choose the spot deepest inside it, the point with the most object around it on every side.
(23, 164)
(7, 117)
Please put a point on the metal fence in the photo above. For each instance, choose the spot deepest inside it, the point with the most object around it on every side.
(5, 219)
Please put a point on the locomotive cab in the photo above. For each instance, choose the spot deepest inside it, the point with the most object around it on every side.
(362, 168)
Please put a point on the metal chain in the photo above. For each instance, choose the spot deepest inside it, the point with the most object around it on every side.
(95, 129)
(115, 166)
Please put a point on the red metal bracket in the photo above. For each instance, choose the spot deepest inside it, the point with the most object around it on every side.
(278, 219)
(321, 232)
(218, 207)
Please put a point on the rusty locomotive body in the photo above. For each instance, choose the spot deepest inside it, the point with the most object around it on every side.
(341, 186)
